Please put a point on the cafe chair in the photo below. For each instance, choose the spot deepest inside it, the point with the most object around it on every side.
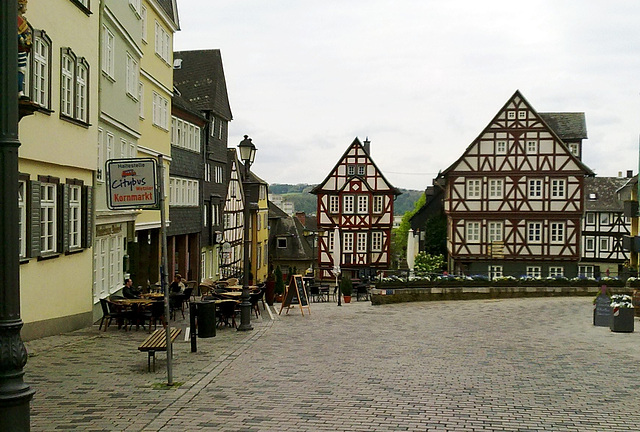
(226, 313)
(232, 281)
(314, 293)
(254, 298)
(120, 313)
(175, 304)
(154, 313)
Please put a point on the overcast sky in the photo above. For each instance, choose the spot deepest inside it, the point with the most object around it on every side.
(420, 78)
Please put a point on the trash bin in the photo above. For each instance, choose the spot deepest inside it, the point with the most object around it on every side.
(206, 318)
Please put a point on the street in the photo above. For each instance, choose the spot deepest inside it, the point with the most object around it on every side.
(487, 365)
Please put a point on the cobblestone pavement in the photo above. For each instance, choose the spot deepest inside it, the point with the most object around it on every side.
(488, 365)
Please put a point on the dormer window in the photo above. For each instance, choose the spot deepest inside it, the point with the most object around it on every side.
(574, 149)
(593, 197)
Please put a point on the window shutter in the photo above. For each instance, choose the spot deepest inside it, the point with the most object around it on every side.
(87, 216)
(63, 218)
(33, 245)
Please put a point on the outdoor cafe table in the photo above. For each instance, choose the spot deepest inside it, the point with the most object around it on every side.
(137, 306)
(152, 296)
(239, 287)
(231, 294)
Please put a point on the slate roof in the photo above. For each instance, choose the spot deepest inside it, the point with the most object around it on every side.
(567, 125)
(283, 225)
(604, 189)
(201, 80)
(180, 102)
(170, 8)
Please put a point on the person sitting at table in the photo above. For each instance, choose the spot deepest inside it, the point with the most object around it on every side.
(177, 286)
(128, 291)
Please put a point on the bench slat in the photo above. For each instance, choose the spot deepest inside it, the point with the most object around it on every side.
(158, 340)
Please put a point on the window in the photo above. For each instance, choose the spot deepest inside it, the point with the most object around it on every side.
(347, 241)
(330, 239)
(473, 188)
(282, 242)
(361, 170)
(534, 232)
(334, 204)
(363, 204)
(494, 231)
(48, 220)
(218, 174)
(347, 204)
(495, 271)
(135, 5)
(99, 171)
(591, 218)
(75, 216)
(557, 232)
(535, 188)
(574, 148)
(522, 114)
(22, 217)
(205, 215)
(557, 188)
(183, 192)
(141, 99)
(109, 145)
(39, 75)
(473, 232)
(84, 3)
(133, 80)
(604, 219)
(108, 52)
(532, 147)
(351, 170)
(495, 188)
(220, 127)
(207, 172)
(74, 75)
(361, 245)
(534, 271)
(378, 201)
(585, 271)
(590, 244)
(215, 214)
(376, 241)
(160, 111)
(162, 43)
(185, 135)
(604, 244)
(501, 147)
(556, 271)
(143, 18)
(511, 115)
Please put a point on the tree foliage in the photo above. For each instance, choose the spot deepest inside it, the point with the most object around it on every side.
(427, 263)
(400, 234)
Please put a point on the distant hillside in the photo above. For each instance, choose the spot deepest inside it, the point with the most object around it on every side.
(299, 195)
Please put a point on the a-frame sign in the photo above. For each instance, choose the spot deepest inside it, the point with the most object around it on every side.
(295, 292)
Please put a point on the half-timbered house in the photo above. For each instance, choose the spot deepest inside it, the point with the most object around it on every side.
(357, 199)
(603, 228)
(233, 221)
(514, 199)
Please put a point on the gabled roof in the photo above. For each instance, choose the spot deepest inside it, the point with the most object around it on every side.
(289, 227)
(568, 126)
(356, 142)
(600, 193)
(171, 9)
(555, 117)
(200, 78)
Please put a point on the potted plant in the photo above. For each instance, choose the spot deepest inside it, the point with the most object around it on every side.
(346, 287)
(279, 284)
(623, 313)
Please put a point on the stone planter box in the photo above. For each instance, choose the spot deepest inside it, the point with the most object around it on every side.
(622, 320)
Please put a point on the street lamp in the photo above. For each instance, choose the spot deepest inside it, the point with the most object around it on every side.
(247, 155)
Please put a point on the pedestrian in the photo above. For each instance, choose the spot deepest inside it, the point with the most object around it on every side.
(128, 291)
(177, 287)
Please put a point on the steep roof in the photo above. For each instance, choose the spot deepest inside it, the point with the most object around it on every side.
(600, 193)
(200, 77)
(289, 227)
(180, 102)
(568, 126)
(171, 9)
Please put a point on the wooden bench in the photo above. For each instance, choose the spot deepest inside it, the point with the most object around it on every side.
(157, 341)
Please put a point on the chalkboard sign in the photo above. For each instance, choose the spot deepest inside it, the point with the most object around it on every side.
(602, 311)
(295, 293)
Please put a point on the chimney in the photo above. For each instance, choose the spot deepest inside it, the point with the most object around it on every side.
(302, 217)
(629, 173)
(619, 174)
(367, 146)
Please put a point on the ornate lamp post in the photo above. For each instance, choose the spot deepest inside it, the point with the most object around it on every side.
(15, 394)
(247, 155)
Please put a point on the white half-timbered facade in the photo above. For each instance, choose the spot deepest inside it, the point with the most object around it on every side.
(356, 198)
(233, 222)
(514, 199)
(603, 228)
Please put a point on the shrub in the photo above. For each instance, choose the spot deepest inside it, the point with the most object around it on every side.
(346, 286)
(279, 288)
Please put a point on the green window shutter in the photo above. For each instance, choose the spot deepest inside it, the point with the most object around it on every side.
(63, 218)
(87, 216)
(33, 244)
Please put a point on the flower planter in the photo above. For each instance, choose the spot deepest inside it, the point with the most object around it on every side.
(622, 319)
(347, 299)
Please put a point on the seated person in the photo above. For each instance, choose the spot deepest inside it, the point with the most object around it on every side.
(129, 291)
(177, 286)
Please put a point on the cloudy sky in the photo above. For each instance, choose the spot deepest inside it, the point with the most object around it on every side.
(420, 78)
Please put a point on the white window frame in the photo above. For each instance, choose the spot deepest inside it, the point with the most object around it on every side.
(586, 271)
(378, 204)
(557, 232)
(590, 218)
(48, 218)
(141, 99)
(534, 188)
(574, 149)
(162, 42)
(100, 161)
(347, 204)
(496, 188)
(135, 6)
(534, 271)
(67, 79)
(133, 77)
(75, 216)
(334, 204)
(363, 204)
(351, 170)
(41, 74)
(532, 147)
(605, 218)
(183, 192)
(82, 91)
(534, 232)
(501, 147)
(330, 239)
(511, 115)
(143, 19)
(347, 242)
(361, 242)
(558, 188)
(604, 244)
(522, 115)
(361, 170)
(495, 231)
(590, 244)
(185, 135)
(474, 188)
(376, 241)
(472, 231)
(108, 52)
(22, 221)
(160, 111)
(556, 271)
(495, 271)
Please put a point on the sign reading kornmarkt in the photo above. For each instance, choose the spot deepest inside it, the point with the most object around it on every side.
(131, 183)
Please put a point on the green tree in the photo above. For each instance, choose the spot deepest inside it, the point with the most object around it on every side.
(435, 235)
(279, 288)
(426, 263)
(400, 234)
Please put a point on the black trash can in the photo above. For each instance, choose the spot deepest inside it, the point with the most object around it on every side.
(206, 318)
